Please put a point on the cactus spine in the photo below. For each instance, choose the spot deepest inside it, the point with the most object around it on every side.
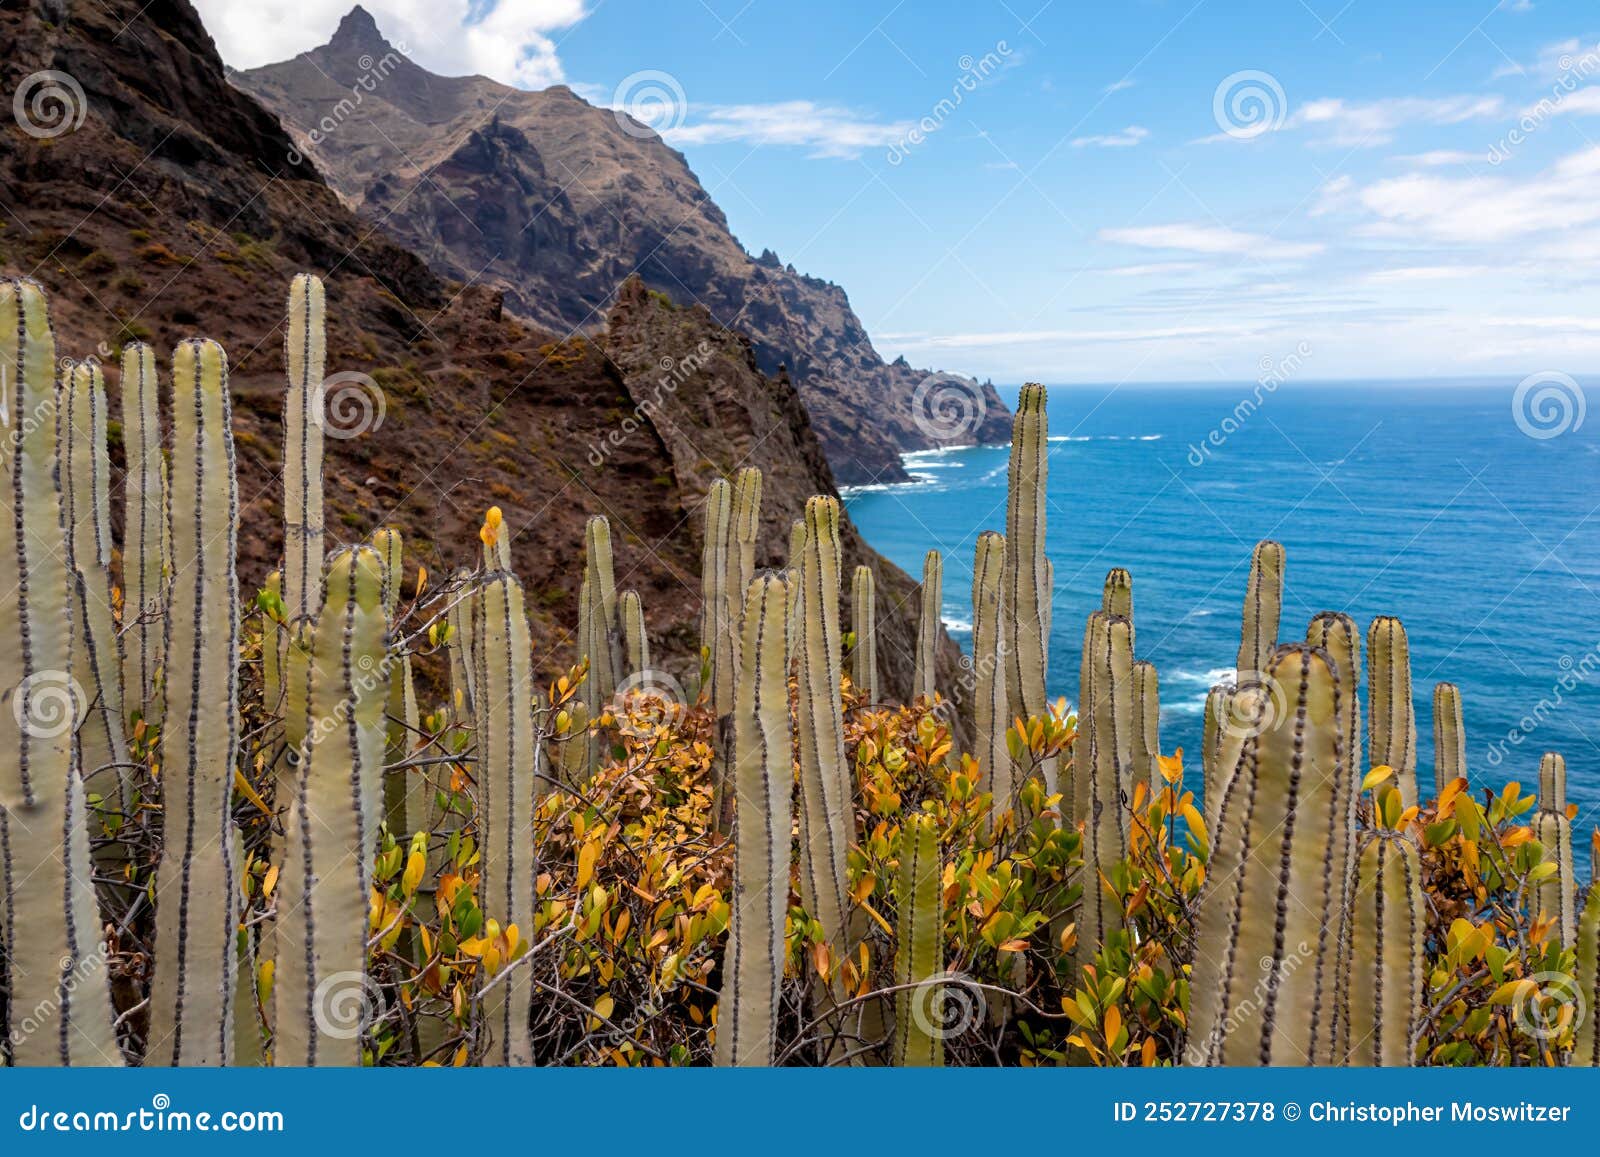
(1263, 604)
(191, 1003)
(1386, 951)
(1449, 737)
(144, 535)
(602, 643)
(1027, 573)
(752, 970)
(47, 906)
(636, 642)
(745, 529)
(1103, 771)
(927, 660)
(717, 622)
(305, 352)
(991, 712)
(463, 669)
(405, 797)
(919, 944)
(1552, 828)
(1392, 727)
(1266, 960)
(1116, 596)
(322, 991)
(1219, 706)
(864, 660)
(508, 772)
(1146, 723)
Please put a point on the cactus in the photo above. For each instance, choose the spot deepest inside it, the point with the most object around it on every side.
(1263, 603)
(603, 643)
(1102, 770)
(1392, 724)
(144, 534)
(1027, 574)
(272, 648)
(1218, 709)
(1116, 596)
(509, 767)
(1586, 1039)
(1146, 723)
(405, 796)
(927, 659)
(1386, 951)
(1273, 894)
(197, 883)
(718, 629)
(459, 615)
(304, 354)
(1449, 737)
(797, 550)
(919, 943)
(864, 659)
(96, 653)
(991, 712)
(752, 969)
(1557, 894)
(745, 528)
(53, 957)
(322, 992)
(636, 642)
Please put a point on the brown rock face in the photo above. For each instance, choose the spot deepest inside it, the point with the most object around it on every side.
(557, 203)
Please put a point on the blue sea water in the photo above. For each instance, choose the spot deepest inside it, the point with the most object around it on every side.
(1431, 501)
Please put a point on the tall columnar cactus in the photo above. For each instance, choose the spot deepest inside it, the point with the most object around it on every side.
(1557, 894)
(304, 353)
(1263, 605)
(1116, 597)
(745, 531)
(919, 943)
(463, 667)
(863, 617)
(144, 535)
(54, 959)
(718, 624)
(405, 794)
(1103, 771)
(924, 676)
(1219, 704)
(991, 711)
(1392, 726)
(1146, 723)
(96, 653)
(797, 550)
(603, 646)
(322, 993)
(635, 640)
(1387, 964)
(1027, 574)
(1586, 1041)
(1264, 986)
(197, 883)
(752, 969)
(1449, 737)
(827, 813)
(509, 768)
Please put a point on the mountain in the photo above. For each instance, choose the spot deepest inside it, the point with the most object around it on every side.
(556, 202)
(178, 206)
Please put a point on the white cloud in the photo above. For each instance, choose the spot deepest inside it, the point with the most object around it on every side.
(1580, 102)
(1333, 196)
(1442, 158)
(1118, 86)
(1153, 268)
(828, 130)
(1350, 124)
(1212, 240)
(508, 40)
(1409, 274)
(1125, 139)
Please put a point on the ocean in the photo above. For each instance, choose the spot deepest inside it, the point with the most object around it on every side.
(1466, 508)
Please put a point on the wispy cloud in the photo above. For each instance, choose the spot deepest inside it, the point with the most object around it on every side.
(1351, 124)
(1410, 274)
(1125, 139)
(1441, 158)
(1212, 240)
(827, 130)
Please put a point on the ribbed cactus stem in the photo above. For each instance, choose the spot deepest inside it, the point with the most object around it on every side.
(305, 354)
(54, 960)
(746, 530)
(919, 944)
(718, 623)
(1387, 926)
(405, 793)
(924, 676)
(1267, 954)
(1586, 1039)
(1027, 575)
(603, 645)
(1449, 737)
(1146, 724)
(1103, 782)
(96, 653)
(991, 711)
(508, 769)
(1217, 711)
(635, 640)
(144, 535)
(1557, 894)
(797, 550)
(323, 996)
(1116, 596)
(863, 616)
(463, 667)
(272, 650)
(752, 969)
(1263, 604)
(197, 883)
(1392, 721)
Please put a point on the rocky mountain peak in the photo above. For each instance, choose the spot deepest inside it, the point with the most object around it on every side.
(358, 32)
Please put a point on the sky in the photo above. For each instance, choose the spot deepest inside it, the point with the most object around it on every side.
(1153, 190)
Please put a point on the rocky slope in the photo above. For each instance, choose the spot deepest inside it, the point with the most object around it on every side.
(176, 207)
(556, 202)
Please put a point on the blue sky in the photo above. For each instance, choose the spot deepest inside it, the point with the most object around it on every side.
(1149, 190)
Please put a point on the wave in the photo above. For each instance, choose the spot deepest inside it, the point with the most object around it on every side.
(1104, 438)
